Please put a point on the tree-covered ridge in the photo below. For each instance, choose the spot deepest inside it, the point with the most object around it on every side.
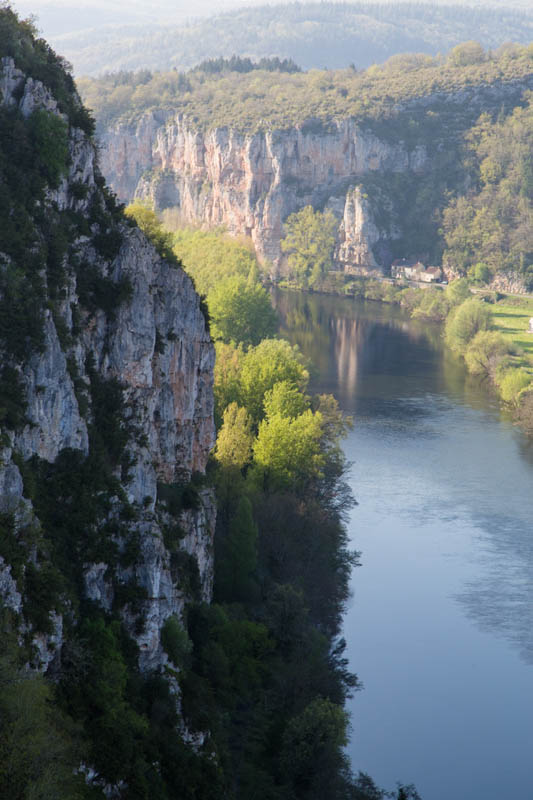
(313, 34)
(490, 228)
(261, 100)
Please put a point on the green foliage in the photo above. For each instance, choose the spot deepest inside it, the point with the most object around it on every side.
(39, 747)
(228, 365)
(43, 587)
(175, 641)
(312, 748)
(488, 229)
(511, 382)
(237, 557)
(241, 312)
(178, 497)
(309, 243)
(13, 403)
(463, 55)
(49, 135)
(258, 99)
(457, 292)
(272, 361)
(148, 221)
(465, 321)
(235, 438)
(212, 66)
(287, 451)
(97, 291)
(286, 400)
(19, 39)
(211, 256)
(485, 353)
(432, 305)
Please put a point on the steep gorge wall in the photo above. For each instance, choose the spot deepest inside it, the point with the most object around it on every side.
(155, 346)
(251, 183)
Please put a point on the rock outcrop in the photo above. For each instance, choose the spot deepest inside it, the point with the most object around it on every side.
(251, 183)
(152, 347)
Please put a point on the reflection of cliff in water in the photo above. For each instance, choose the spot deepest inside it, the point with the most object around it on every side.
(354, 346)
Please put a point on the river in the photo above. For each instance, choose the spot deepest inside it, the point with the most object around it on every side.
(440, 625)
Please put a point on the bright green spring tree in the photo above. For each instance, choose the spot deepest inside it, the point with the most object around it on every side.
(309, 244)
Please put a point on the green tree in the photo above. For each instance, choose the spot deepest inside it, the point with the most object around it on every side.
(150, 224)
(50, 138)
(511, 382)
(38, 757)
(486, 352)
(227, 374)
(432, 305)
(313, 743)
(211, 256)
(176, 642)
(466, 53)
(309, 244)
(237, 557)
(464, 322)
(241, 312)
(287, 451)
(235, 438)
(285, 399)
(272, 361)
(457, 292)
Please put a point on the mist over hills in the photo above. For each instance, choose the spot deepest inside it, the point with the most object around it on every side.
(315, 35)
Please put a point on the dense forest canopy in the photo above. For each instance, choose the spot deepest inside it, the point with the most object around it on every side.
(490, 228)
(262, 99)
(313, 34)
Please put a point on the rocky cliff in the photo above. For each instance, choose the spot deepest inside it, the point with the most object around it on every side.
(105, 392)
(251, 183)
(371, 176)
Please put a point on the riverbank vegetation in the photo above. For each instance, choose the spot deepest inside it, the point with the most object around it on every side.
(489, 330)
(266, 674)
(488, 229)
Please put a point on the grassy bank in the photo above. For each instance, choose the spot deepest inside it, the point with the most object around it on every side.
(510, 316)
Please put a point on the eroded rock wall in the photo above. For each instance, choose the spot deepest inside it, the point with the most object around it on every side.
(251, 183)
(155, 343)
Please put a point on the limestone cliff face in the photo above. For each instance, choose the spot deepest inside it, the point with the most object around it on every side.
(154, 344)
(251, 183)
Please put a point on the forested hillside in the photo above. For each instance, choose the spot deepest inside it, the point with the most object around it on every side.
(316, 35)
(261, 99)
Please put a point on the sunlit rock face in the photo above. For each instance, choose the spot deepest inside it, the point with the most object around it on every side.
(251, 183)
(156, 344)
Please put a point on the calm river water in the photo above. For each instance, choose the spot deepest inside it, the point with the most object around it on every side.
(440, 626)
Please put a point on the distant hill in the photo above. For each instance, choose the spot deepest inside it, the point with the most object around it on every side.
(313, 34)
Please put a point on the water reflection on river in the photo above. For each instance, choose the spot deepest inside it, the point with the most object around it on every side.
(440, 629)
